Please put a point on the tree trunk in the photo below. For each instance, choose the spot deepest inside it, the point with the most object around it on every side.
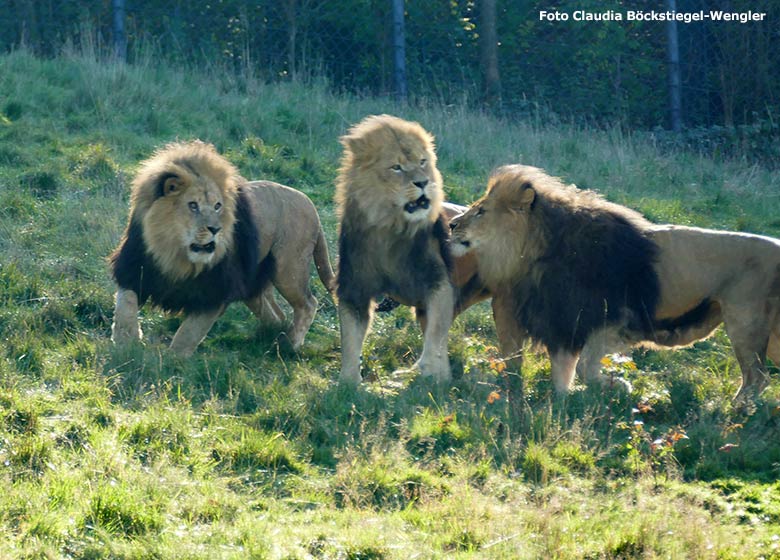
(120, 39)
(488, 51)
(673, 54)
(291, 14)
(399, 50)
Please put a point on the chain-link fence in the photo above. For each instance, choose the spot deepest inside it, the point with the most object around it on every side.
(601, 71)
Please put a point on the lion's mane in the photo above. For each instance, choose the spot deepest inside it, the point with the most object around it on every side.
(147, 259)
(585, 263)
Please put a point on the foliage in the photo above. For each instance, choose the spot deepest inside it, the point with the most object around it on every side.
(596, 72)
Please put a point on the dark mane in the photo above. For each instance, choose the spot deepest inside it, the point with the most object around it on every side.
(238, 276)
(596, 269)
(424, 261)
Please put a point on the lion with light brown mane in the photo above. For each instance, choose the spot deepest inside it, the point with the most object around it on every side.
(584, 276)
(393, 238)
(200, 237)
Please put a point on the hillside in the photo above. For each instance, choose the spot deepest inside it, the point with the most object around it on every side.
(248, 450)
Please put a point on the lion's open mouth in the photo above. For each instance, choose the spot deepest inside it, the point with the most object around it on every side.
(421, 203)
(207, 248)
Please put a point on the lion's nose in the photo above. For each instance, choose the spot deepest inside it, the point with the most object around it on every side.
(420, 184)
(214, 229)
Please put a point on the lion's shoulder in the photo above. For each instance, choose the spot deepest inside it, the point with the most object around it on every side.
(595, 265)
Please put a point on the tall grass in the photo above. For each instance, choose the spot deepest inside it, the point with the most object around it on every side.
(247, 450)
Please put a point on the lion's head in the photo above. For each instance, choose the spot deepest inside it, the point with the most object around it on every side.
(500, 228)
(184, 198)
(389, 174)
(526, 213)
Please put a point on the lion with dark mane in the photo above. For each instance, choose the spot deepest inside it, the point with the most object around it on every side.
(584, 276)
(393, 238)
(200, 237)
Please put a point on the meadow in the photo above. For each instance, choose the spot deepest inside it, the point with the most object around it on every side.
(249, 450)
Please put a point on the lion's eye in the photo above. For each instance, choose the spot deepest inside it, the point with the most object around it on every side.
(218, 206)
(396, 167)
(423, 162)
(480, 211)
(194, 206)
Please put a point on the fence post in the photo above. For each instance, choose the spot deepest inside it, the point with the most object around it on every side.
(120, 39)
(673, 60)
(399, 50)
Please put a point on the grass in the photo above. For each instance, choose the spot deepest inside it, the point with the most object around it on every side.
(247, 450)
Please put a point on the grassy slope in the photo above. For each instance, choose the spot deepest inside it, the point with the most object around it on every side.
(246, 450)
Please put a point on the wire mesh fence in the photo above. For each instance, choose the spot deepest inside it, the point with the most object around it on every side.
(600, 71)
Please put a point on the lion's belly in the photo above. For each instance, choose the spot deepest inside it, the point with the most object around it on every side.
(697, 264)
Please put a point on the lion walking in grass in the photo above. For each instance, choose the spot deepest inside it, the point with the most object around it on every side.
(584, 277)
(200, 236)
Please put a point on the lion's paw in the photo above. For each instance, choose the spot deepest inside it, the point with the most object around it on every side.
(439, 370)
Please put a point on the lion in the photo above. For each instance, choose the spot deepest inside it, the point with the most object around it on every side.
(584, 276)
(200, 236)
(393, 238)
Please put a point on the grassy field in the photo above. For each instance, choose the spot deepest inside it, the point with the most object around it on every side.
(247, 450)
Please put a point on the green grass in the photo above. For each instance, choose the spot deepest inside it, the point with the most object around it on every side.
(247, 450)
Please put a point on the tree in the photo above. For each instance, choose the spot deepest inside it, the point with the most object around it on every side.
(488, 52)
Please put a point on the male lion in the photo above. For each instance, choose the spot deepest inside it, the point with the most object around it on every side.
(200, 237)
(582, 275)
(393, 237)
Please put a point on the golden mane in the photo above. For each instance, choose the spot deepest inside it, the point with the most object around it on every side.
(377, 141)
(184, 159)
(188, 164)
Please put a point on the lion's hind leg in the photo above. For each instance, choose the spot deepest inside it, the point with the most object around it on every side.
(750, 341)
(291, 279)
(265, 307)
(304, 306)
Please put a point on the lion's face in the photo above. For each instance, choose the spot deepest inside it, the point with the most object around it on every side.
(497, 227)
(389, 172)
(409, 178)
(200, 227)
(186, 201)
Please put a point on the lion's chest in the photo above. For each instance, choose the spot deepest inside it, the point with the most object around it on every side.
(408, 268)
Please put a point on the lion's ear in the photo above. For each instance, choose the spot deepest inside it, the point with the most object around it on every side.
(525, 199)
(169, 184)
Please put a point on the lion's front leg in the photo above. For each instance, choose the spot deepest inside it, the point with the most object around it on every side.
(125, 327)
(563, 365)
(511, 335)
(193, 330)
(354, 325)
(434, 360)
(599, 344)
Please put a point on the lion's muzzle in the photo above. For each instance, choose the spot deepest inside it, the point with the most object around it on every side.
(422, 203)
(209, 247)
(460, 247)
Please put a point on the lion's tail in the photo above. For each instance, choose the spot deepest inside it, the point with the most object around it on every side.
(322, 262)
